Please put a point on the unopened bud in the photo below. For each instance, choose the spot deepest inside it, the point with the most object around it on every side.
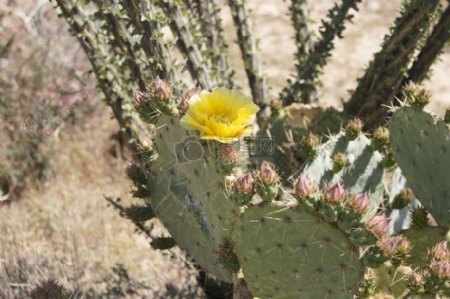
(354, 128)
(228, 153)
(268, 174)
(139, 99)
(160, 90)
(309, 145)
(304, 187)
(339, 161)
(416, 278)
(388, 245)
(246, 183)
(403, 245)
(416, 96)
(441, 269)
(360, 202)
(440, 252)
(380, 138)
(335, 193)
(403, 199)
(379, 225)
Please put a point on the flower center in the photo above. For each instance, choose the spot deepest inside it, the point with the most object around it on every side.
(225, 119)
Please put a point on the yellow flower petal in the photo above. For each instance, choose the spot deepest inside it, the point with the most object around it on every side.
(223, 115)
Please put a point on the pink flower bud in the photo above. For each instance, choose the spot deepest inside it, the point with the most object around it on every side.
(403, 245)
(441, 269)
(379, 225)
(360, 202)
(160, 90)
(246, 183)
(268, 174)
(440, 252)
(228, 153)
(388, 245)
(139, 99)
(416, 278)
(335, 193)
(304, 187)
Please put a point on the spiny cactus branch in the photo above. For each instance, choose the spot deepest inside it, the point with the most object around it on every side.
(303, 38)
(385, 74)
(86, 36)
(150, 42)
(310, 67)
(433, 47)
(120, 40)
(247, 44)
(211, 24)
(186, 43)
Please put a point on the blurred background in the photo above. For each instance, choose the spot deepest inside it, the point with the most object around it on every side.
(59, 155)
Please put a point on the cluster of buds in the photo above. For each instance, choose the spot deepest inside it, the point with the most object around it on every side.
(335, 193)
(394, 245)
(157, 94)
(360, 203)
(354, 128)
(379, 225)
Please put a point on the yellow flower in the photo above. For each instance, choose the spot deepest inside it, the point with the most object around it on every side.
(223, 115)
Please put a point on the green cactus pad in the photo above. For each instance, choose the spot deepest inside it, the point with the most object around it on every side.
(422, 150)
(288, 253)
(363, 172)
(188, 195)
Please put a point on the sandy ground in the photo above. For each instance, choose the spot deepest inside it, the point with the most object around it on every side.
(63, 228)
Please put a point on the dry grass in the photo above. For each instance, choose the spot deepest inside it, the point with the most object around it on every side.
(62, 229)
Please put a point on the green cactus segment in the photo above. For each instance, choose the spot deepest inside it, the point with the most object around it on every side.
(422, 150)
(193, 202)
(186, 225)
(401, 219)
(422, 240)
(363, 172)
(287, 253)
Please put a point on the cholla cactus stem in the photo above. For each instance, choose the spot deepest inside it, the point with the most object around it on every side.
(247, 45)
(433, 47)
(309, 69)
(185, 42)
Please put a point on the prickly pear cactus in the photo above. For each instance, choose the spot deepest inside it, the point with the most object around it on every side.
(351, 162)
(421, 145)
(187, 194)
(285, 252)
